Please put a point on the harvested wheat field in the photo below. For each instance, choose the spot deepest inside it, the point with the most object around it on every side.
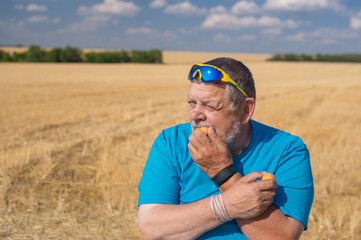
(74, 139)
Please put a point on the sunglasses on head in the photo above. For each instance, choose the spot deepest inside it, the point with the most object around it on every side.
(208, 73)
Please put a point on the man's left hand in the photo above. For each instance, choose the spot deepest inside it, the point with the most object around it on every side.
(210, 153)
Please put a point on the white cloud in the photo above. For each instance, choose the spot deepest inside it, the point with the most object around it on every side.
(222, 38)
(355, 22)
(323, 36)
(56, 20)
(296, 37)
(185, 31)
(114, 7)
(247, 37)
(19, 7)
(228, 21)
(38, 19)
(89, 24)
(17, 32)
(271, 31)
(269, 21)
(139, 31)
(218, 9)
(302, 5)
(245, 7)
(168, 35)
(184, 8)
(11, 25)
(36, 8)
(151, 33)
(158, 3)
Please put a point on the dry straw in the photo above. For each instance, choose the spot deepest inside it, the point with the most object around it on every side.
(74, 139)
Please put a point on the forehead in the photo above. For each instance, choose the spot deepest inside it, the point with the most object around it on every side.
(208, 92)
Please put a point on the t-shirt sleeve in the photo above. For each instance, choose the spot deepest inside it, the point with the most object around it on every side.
(160, 181)
(295, 192)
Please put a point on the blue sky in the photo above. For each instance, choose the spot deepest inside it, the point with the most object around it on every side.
(247, 26)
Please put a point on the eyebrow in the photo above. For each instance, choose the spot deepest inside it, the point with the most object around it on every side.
(206, 101)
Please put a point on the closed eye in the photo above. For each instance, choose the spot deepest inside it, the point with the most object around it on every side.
(210, 108)
(192, 104)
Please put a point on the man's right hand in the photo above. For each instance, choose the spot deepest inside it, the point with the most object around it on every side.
(210, 153)
(247, 198)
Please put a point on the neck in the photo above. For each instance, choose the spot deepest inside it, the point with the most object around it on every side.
(244, 139)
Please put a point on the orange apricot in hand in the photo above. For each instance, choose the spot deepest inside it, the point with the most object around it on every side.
(204, 129)
(268, 176)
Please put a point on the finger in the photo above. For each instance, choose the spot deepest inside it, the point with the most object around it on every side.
(212, 134)
(191, 149)
(266, 185)
(194, 141)
(268, 202)
(202, 137)
(199, 139)
(218, 142)
(252, 177)
(268, 194)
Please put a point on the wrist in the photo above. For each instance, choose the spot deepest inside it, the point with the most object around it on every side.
(215, 168)
(224, 175)
(227, 185)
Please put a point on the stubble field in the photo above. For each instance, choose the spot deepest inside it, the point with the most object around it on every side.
(74, 139)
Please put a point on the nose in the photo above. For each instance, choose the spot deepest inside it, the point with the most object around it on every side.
(196, 114)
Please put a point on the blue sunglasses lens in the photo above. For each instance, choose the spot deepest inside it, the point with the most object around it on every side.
(208, 73)
(192, 71)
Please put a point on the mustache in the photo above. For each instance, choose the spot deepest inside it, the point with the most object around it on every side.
(196, 124)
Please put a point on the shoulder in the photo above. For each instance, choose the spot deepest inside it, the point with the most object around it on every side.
(179, 132)
(273, 135)
(175, 137)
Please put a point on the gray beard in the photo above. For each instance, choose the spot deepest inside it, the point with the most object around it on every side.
(235, 131)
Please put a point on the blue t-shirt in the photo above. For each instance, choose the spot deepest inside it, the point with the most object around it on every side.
(170, 176)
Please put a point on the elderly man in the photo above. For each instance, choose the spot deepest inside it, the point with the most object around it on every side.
(206, 185)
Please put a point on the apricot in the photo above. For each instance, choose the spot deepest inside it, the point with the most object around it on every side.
(268, 176)
(204, 129)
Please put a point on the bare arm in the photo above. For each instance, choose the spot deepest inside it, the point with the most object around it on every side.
(245, 200)
(165, 221)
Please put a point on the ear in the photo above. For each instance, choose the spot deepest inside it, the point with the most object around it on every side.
(248, 107)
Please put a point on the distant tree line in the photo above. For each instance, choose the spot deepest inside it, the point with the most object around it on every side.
(316, 58)
(71, 54)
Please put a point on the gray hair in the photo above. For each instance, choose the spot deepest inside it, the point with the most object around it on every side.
(239, 73)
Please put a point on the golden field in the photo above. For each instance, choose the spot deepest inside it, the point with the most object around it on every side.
(74, 139)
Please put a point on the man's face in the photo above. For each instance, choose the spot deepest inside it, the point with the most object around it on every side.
(209, 106)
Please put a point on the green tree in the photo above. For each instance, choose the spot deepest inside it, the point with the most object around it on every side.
(305, 57)
(70, 54)
(90, 57)
(35, 54)
(291, 57)
(155, 56)
(124, 56)
(4, 56)
(276, 57)
(140, 56)
(19, 57)
(53, 55)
